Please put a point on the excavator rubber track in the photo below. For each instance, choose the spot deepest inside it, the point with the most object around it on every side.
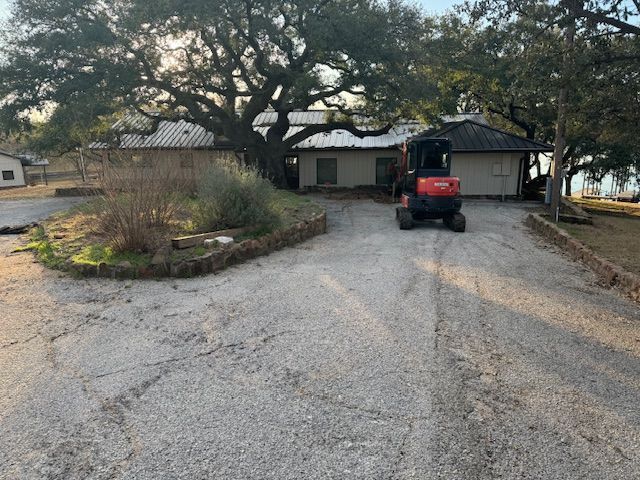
(456, 222)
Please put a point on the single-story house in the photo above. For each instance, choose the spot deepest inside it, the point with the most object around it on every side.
(11, 171)
(143, 139)
(489, 161)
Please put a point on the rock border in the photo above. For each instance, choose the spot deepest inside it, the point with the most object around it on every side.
(213, 261)
(613, 275)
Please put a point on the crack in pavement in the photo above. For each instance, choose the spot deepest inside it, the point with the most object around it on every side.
(206, 353)
(20, 342)
(401, 450)
(168, 361)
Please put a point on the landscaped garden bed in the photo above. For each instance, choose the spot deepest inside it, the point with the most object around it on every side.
(127, 231)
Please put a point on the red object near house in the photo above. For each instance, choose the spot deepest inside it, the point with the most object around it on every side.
(438, 186)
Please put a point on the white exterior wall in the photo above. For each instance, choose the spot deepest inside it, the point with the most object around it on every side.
(355, 167)
(14, 165)
(475, 170)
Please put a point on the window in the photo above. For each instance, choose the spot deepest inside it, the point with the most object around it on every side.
(8, 175)
(327, 171)
(434, 156)
(383, 170)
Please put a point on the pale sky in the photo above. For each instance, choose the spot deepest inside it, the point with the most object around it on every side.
(3, 8)
(429, 5)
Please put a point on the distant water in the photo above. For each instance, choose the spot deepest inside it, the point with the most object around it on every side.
(607, 184)
(576, 182)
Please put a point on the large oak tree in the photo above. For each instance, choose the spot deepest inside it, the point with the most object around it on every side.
(219, 63)
(506, 58)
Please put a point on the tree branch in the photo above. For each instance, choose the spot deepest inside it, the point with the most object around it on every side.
(614, 22)
(327, 127)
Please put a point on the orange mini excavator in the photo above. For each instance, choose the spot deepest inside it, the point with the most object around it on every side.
(428, 190)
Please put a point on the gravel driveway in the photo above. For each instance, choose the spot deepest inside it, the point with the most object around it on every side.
(368, 352)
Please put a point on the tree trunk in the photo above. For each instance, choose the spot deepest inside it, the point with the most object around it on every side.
(567, 184)
(270, 162)
(561, 124)
(271, 165)
(274, 169)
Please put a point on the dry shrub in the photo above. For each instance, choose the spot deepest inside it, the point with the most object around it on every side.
(231, 195)
(141, 200)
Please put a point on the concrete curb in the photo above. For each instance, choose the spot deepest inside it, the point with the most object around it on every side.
(612, 274)
(213, 261)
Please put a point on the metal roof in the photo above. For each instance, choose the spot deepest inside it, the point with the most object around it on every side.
(7, 154)
(163, 134)
(471, 136)
(308, 117)
(471, 131)
(27, 159)
(316, 117)
(342, 139)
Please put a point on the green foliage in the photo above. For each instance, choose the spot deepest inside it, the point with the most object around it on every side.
(97, 254)
(506, 59)
(46, 252)
(231, 195)
(84, 58)
(84, 119)
(54, 255)
(254, 234)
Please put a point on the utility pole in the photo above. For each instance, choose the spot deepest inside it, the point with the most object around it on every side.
(563, 103)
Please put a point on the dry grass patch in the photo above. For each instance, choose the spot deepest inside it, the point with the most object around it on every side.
(607, 207)
(615, 238)
(38, 191)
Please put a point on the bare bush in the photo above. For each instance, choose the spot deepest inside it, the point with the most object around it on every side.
(231, 195)
(141, 200)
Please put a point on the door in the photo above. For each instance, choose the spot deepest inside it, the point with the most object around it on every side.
(383, 171)
(292, 171)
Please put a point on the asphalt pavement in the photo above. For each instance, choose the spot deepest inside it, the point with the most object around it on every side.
(20, 212)
(368, 352)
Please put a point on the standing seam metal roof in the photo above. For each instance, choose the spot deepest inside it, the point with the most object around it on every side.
(167, 135)
(472, 136)
(467, 131)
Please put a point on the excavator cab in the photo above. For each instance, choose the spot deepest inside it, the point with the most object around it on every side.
(429, 191)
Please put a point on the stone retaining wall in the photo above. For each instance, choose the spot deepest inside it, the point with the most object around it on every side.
(612, 274)
(214, 260)
(80, 191)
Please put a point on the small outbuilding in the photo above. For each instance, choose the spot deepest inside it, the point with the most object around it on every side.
(11, 171)
(489, 162)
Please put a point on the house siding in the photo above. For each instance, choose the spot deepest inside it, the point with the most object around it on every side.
(185, 166)
(14, 165)
(168, 156)
(355, 167)
(478, 172)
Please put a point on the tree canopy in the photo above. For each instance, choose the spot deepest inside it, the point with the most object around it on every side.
(219, 63)
(507, 59)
